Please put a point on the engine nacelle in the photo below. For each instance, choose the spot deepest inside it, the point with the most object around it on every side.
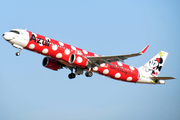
(78, 60)
(51, 64)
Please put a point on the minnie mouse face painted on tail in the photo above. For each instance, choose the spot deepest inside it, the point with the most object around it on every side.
(155, 64)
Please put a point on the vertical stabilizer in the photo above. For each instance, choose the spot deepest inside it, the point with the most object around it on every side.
(153, 67)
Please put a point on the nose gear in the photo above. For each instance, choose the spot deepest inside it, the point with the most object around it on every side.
(18, 53)
(19, 47)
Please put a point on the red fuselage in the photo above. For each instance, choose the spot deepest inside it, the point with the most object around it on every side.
(62, 52)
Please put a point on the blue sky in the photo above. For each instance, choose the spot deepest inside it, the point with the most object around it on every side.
(28, 91)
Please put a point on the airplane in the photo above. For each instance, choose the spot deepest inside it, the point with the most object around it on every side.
(60, 55)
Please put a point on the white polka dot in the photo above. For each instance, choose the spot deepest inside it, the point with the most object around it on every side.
(120, 64)
(96, 55)
(95, 68)
(40, 42)
(47, 38)
(34, 34)
(45, 50)
(129, 78)
(131, 67)
(85, 52)
(117, 75)
(106, 71)
(54, 47)
(102, 65)
(73, 47)
(59, 55)
(67, 51)
(62, 44)
(31, 46)
(79, 59)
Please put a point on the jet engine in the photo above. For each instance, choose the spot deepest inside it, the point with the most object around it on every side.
(78, 60)
(51, 64)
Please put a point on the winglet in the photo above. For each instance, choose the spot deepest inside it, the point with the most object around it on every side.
(144, 50)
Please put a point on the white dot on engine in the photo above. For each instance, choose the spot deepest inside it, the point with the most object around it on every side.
(79, 59)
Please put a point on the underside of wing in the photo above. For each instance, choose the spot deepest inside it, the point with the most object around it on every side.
(96, 61)
(162, 78)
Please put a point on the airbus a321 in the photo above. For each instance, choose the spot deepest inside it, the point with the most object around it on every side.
(61, 55)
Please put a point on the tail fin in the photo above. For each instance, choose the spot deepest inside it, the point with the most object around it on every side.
(153, 67)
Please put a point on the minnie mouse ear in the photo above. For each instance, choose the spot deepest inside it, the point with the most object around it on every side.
(160, 60)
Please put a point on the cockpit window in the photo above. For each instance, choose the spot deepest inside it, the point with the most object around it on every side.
(17, 32)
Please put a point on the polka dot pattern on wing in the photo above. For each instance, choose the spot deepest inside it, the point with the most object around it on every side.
(117, 75)
(31, 46)
(106, 71)
(59, 55)
(45, 50)
(129, 79)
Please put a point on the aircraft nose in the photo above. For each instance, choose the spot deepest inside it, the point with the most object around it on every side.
(7, 36)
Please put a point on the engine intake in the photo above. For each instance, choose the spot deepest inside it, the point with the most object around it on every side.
(78, 60)
(51, 64)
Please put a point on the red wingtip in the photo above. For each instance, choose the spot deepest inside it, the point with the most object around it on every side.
(144, 50)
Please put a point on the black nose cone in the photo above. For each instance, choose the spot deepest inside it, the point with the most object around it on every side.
(3, 35)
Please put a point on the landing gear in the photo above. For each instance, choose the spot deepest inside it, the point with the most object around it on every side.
(79, 71)
(71, 75)
(18, 53)
(88, 74)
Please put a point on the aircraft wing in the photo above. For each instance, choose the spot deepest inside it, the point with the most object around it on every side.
(162, 78)
(96, 61)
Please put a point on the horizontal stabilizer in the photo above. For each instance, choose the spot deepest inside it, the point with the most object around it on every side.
(162, 78)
